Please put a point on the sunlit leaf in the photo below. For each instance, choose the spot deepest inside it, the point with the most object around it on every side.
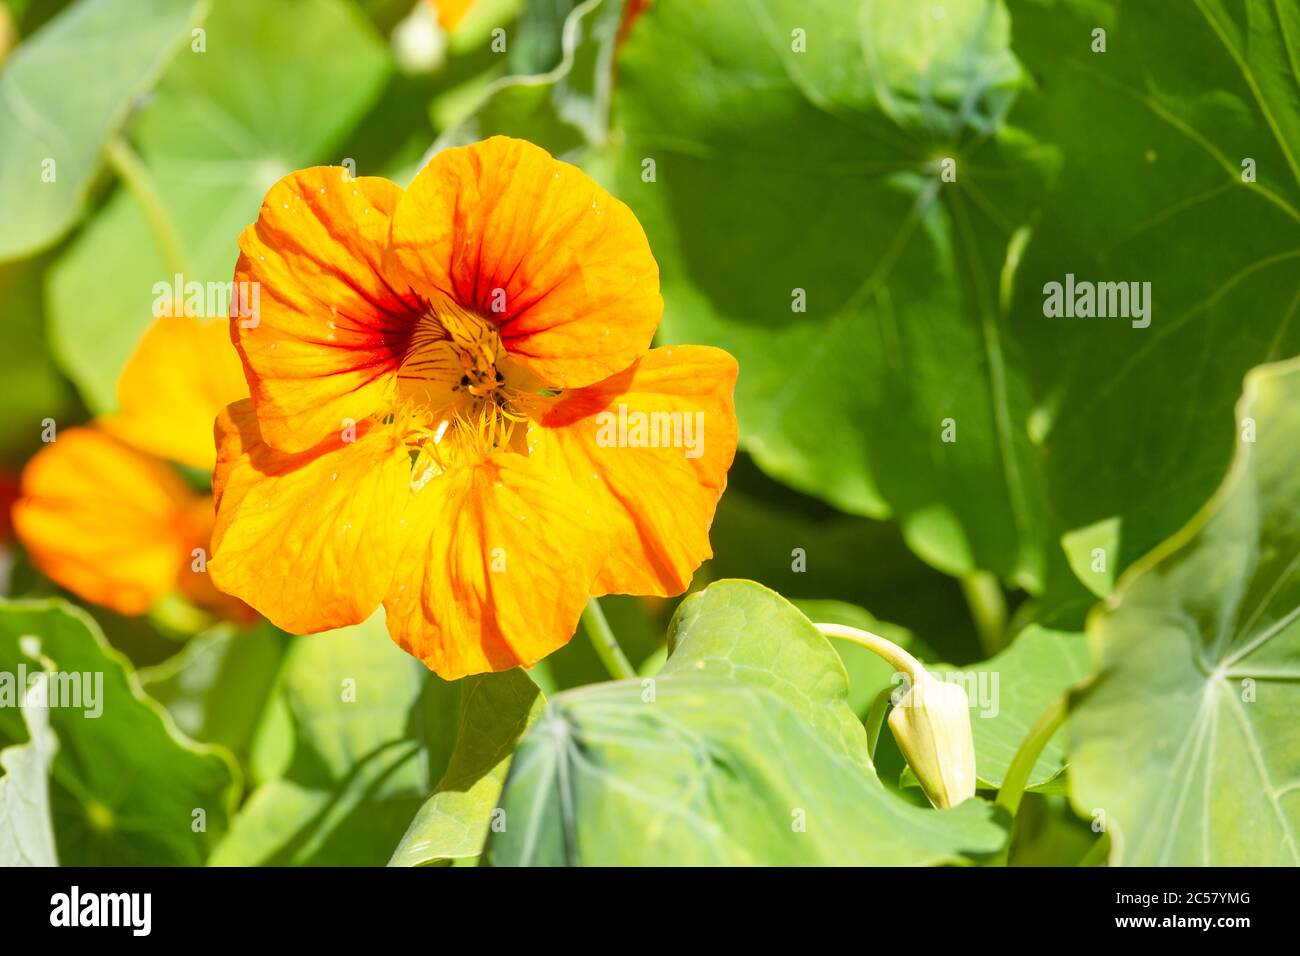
(63, 94)
(1184, 748)
(127, 788)
(495, 709)
(715, 761)
(351, 764)
(26, 830)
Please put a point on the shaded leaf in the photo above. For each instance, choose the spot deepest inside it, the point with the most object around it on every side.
(800, 219)
(1135, 426)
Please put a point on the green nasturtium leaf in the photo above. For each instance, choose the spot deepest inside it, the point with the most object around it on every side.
(63, 94)
(127, 787)
(278, 84)
(716, 762)
(26, 827)
(743, 631)
(789, 169)
(216, 688)
(495, 710)
(1159, 136)
(793, 159)
(1010, 691)
(353, 721)
(1184, 746)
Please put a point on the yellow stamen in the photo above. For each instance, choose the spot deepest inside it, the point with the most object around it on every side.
(460, 395)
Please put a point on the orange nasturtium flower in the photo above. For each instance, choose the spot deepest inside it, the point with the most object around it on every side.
(182, 374)
(456, 414)
(115, 524)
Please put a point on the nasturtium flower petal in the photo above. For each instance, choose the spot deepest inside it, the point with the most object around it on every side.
(561, 267)
(497, 569)
(109, 523)
(183, 372)
(324, 327)
(658, 502)
(308, 539)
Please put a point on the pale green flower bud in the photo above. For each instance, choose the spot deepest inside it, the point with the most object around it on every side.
(931, 723)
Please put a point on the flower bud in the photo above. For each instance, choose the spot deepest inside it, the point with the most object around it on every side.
(932, 726)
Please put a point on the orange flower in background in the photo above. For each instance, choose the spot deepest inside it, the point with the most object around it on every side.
(455, 412)
(181, 375)
(102, 514)
(113, 525)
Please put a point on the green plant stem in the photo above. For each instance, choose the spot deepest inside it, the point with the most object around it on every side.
(988, 609)
(890, 652)
(135, 176)
(604, 642)
(1022, 764)
(893, 655)
(876, 718)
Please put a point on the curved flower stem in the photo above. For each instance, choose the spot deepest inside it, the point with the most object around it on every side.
(1022, 764)
(892, 654)
(604, 642)
(135, 176)
(988, 609)
(876, 718)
